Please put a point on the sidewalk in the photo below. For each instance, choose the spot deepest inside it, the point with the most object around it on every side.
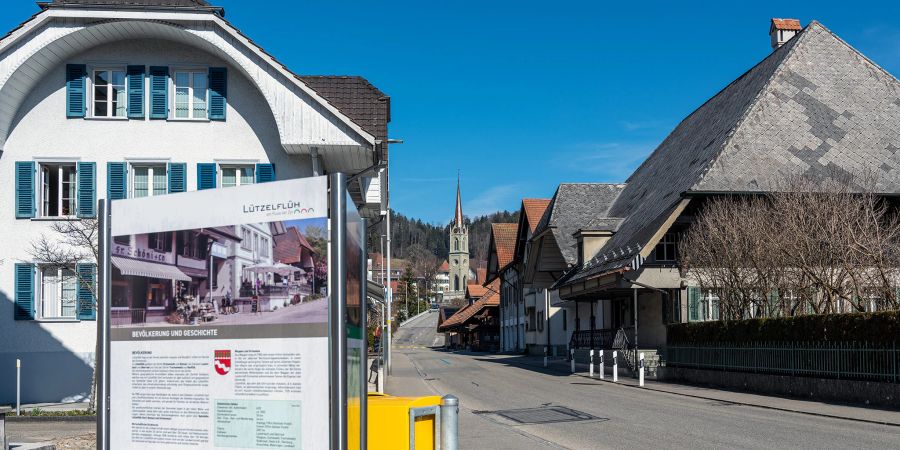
(834, 410)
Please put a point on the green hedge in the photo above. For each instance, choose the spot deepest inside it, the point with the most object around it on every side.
(872, 327)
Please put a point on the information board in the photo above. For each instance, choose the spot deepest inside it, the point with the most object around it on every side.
(219, 319)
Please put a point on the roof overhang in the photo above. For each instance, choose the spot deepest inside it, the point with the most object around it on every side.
(306, 122)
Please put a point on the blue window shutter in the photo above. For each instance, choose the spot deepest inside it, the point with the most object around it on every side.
(24, 287)
(693, 303)
(177, 177)
(87, 189)
(87, 274)
(159, 92)
(135, 92)
(24, 189)
(265, 173)
(116, 180)
(218, 93)
(206, 176)
(75, 90)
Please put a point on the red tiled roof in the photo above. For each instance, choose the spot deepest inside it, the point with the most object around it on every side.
(480, 275)
(534, 210)
(504, 238)
(491, 298)
(445, 267)
(786, 24)
(475, 291)
(289, 246)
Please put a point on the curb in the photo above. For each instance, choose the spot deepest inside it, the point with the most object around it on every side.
(49, 419)
(755, 405)
(31, 446)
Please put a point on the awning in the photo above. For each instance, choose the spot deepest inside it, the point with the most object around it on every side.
(133, 267)
(192, 272)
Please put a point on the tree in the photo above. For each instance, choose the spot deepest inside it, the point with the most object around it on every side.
(72, 242)
(812, 247)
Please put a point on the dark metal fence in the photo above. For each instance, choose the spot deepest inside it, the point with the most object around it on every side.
(839, 360)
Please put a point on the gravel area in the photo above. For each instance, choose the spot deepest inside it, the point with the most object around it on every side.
(83, 442)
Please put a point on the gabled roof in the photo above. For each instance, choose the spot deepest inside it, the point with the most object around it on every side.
(290, 245)
(445, 267)
(490, 298)
(815, 107)
(533, 209)
(475, 291)
(573, 206)
(501, 248)
(361, 101)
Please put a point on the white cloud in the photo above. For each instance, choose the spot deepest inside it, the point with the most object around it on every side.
(609, 161)
(493, 199)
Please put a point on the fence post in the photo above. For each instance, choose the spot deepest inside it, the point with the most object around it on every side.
(793, 358)
(545, 356)
(572, 353)
(894, 359)
(591, 364)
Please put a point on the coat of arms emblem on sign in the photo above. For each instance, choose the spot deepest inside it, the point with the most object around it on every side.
(223, 362)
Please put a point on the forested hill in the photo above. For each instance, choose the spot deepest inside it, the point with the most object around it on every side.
(407, 232)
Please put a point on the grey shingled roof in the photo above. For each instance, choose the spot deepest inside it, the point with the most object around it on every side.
(814, 107)
(574, 205)
(362, 102)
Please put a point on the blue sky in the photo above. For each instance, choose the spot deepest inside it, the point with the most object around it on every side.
(520, 96)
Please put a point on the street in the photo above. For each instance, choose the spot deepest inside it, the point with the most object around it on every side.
(621, 416)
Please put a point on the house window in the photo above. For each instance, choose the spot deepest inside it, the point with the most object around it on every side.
(160, 242)
(245, 239)
(122, 240)
(237, 175)
(666, 249)
(149, 181)
(192, 244)
(264, 247)
(709, 304)
(109, 93)
(190, 94)
(57, 190)
(58, 293)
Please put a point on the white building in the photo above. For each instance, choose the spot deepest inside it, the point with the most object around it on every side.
(105, 101)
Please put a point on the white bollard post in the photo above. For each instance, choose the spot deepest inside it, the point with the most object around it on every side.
(572, 354)
(545, 356)
(641, 370)
(602, 366)
(379, 386)
(18, 386)
(615, 366)
(591, 364)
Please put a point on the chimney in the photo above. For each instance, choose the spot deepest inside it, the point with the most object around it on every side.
(782, 30)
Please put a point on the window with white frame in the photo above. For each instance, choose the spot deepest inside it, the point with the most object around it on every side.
(148, 180)
(58, 190)
(709, 304)
(237, 175)
(667, 248)
(109, 94)
(246, 237)
(191, 94)
(264, 247)
(59, 289)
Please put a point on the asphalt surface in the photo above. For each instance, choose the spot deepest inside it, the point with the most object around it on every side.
(620, 416)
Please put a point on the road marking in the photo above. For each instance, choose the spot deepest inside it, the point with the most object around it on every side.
(445, 361)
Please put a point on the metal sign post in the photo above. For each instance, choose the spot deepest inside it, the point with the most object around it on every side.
(102, 362)
(337, 325)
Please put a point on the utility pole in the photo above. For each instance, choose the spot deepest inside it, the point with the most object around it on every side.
(390, 293)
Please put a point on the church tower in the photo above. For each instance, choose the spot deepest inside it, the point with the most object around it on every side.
(459, 251)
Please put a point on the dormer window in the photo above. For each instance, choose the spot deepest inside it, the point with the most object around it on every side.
(667, 248)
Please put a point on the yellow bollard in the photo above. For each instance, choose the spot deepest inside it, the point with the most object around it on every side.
(389, 422)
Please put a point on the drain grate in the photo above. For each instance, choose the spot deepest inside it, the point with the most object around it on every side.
(539, 415)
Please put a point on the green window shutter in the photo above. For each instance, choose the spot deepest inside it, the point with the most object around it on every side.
(206, 176)
(135, 92)
(714, 306)
(75, 90)
(218, 93)
(87, 189)
(24, 292)
(773, 306)
(159, 92)
(265, 173)
(693, 303)
(116, 180)
(25, 189)
(87, 283)
(177, 177)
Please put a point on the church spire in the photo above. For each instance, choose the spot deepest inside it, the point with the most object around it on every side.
(458, 219)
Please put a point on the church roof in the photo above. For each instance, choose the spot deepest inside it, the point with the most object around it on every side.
(458, 216)
(815, 107)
